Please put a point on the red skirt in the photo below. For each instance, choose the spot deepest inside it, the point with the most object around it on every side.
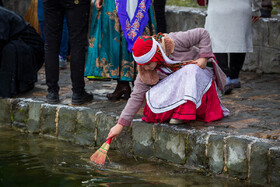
(209, 110)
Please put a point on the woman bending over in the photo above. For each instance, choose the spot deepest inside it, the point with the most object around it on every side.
(177, 79)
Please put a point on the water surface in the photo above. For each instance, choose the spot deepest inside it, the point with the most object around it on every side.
(33, 160)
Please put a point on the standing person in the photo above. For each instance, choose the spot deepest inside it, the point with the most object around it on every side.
(77, 14)
(159, 7)
(266, 8)
(114, 28)
(174, 76)
(64, 40)
(230, 26)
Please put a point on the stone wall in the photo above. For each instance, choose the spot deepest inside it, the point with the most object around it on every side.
(242, 157)
(266, 37)
(266, 33)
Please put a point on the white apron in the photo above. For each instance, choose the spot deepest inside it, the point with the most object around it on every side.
(189, 83)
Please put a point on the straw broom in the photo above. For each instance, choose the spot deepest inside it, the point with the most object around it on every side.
(100, 155)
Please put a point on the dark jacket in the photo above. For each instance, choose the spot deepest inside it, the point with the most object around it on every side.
(21, 54)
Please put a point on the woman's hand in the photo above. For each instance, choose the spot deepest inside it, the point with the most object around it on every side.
(115, 131)
(98, 4)
(201, 62)
(255, 18)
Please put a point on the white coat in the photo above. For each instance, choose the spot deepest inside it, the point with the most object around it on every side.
(229, 23)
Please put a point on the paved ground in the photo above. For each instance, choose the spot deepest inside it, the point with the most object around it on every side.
(255, 108)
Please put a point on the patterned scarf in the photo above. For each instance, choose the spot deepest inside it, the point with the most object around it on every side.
(160, 60)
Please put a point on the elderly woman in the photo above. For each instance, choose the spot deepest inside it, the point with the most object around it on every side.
(175, 77)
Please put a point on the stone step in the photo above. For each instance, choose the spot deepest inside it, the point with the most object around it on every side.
(242, 157)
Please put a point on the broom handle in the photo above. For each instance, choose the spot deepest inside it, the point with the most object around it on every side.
(109, 141)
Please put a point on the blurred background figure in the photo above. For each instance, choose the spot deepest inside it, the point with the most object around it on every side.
(230, 26)
(159, 7)
(115, 27)
(77, 16)
(35, 16)
(21, 54)
(266, 8)
(64, 39)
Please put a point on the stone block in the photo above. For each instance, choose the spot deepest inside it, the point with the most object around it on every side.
(215, 153)
(258, 167)
(269, 60)
(6, 111)
(85, 127)
(196, 149)
(260, 33)
(169, 144)
(172, 20)
(274, 159)
(142, 137)
(274, 33)
(20, 110)
(124, 141)
(66, 125)
(251, 62)
(184, 18)
(191, 19)
(104, 123)
(236, 157)
(48, 119)
(33, 123)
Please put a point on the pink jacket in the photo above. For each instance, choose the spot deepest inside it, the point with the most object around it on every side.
(185, 49)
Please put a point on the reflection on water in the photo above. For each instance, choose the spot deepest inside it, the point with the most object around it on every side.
(31, 160)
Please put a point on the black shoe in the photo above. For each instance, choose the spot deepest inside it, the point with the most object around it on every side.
(52, 98)
(81, 98)
(228, 89)
(122, 90)
(236, 85)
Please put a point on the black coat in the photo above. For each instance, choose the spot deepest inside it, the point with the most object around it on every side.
(21, 54)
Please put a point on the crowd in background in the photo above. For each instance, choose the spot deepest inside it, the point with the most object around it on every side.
(66, 38)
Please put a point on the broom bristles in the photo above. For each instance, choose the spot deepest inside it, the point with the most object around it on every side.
(100, 155)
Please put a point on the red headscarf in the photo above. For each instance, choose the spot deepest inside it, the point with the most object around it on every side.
(142, 46)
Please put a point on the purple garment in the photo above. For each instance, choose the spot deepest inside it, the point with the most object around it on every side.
(185, 49)
(133, 28)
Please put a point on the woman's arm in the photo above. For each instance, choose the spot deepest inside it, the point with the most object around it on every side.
(195, 37)
(256, 7)
(133, 105)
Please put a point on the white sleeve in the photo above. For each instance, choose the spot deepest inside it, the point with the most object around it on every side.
(256, 6)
